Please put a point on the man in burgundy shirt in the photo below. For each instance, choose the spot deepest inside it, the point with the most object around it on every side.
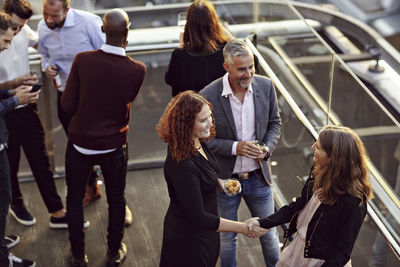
(100, 88)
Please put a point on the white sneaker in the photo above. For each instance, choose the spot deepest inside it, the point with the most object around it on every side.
(14, 261)
(11, 240)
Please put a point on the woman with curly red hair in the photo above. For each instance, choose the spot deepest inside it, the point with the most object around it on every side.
(333, 203)
(191, 224)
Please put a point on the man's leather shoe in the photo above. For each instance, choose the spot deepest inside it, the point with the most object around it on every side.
(115, 260)
(92, 193)
(78, 262)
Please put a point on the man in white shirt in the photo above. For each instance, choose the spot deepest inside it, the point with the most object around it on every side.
(24, 124)
(63, 33)
(247, 131)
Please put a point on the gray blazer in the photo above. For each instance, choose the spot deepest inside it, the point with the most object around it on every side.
(268, 123)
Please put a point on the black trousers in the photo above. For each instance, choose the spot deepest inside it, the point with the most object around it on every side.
(26, 131)
(114, 167)
(65, 120)
(5, 198)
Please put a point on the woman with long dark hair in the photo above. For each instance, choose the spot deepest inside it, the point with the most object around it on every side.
(328, 215)
(199, 61)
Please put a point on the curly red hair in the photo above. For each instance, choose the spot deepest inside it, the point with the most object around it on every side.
(176, 124)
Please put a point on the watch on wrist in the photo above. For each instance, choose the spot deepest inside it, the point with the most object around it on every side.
(267, 156)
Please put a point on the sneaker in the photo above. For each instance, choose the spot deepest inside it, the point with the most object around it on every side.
(14, 261)
(22, 215)
(78, 262)
(128, 216)
(11, 240)
(117, 258)
(61, 223)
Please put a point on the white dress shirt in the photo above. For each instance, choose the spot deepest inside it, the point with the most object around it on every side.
(81, 32)
(244, 118)
(14, 61)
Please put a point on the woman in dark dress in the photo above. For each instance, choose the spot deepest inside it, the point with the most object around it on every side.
(333, 203)
(191, 224)
(199, 61)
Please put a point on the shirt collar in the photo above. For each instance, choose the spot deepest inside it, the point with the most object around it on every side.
(113, 49)
(70, 18)
(227, 89)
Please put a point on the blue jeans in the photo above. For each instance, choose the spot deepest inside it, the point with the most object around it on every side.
(5, 199)
(260, 201)
(114, 167)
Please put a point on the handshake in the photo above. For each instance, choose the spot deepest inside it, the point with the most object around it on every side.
(253, 228)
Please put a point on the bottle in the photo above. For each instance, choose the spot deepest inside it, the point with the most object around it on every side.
(57, 79)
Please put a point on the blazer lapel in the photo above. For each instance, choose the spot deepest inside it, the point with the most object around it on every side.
(226, 105)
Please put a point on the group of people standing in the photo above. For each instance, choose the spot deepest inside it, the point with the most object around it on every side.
(84, 52)
(222, 122)
(229, 130)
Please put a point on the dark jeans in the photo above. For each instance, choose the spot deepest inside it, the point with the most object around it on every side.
(78, 167)
(26, 131)
(5, 199)
(65, 120)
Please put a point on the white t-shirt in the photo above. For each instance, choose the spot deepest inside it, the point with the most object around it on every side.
(14, 61)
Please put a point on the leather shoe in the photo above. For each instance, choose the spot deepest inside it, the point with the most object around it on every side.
(78, 262)
(128, 216)
(116, 259)
(92, 193)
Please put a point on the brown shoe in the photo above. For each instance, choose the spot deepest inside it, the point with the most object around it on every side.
(92, 193)
(128, 216)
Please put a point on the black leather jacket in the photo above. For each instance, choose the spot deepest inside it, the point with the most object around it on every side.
(332, 231)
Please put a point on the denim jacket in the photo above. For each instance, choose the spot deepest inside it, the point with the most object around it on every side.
(333, 229)
(7, 103)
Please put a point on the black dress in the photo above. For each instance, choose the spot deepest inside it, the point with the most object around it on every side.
(193, 71)
(191, 222)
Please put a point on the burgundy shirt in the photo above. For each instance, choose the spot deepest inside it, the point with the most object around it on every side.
(98, 96)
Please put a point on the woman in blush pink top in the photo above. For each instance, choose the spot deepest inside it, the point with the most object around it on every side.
(328, 215)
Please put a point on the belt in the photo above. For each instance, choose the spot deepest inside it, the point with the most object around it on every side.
(246, 175)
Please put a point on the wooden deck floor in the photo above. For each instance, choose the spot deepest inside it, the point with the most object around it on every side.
(146, 195)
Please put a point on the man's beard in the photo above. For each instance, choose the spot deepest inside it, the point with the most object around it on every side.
(58, 25)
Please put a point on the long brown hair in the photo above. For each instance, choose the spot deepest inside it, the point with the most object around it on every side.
(203, 33)
(176, 124)
(346, 171)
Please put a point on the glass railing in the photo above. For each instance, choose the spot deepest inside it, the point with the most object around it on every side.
(291, 161)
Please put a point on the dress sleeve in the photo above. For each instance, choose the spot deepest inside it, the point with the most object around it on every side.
(41, 47)
(172, 74)
(184, 178)
(286, 213)
(350, 221)
(33, 36)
